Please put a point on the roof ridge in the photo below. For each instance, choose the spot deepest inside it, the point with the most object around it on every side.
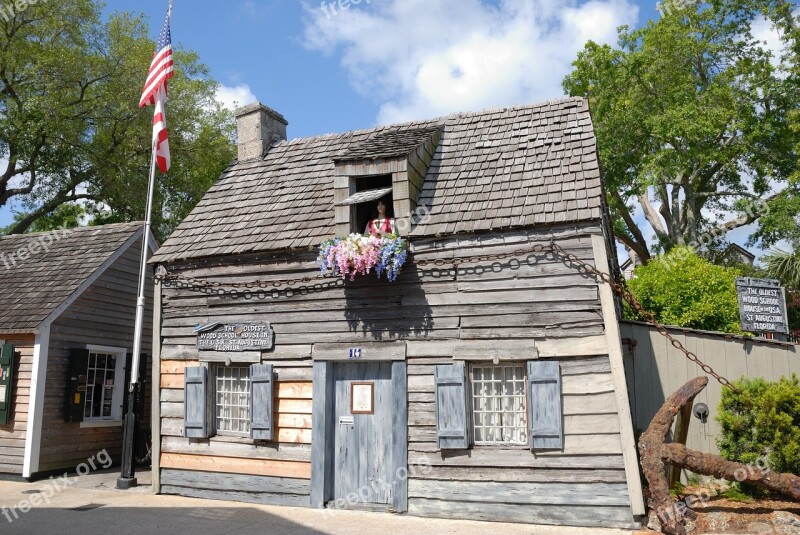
(82, 228)
(421, 123)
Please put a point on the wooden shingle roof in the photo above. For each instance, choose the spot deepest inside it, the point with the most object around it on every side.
(40, 271)
(389, 142)
(504, 168)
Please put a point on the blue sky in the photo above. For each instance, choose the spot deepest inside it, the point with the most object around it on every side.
(328, 69)
(292, 57)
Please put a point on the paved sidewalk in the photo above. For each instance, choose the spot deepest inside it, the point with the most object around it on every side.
(138, 511)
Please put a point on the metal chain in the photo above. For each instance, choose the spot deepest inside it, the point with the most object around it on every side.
(258, 284)
(625, 293)
(618, 287)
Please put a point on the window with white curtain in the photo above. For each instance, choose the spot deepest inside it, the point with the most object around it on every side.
(233, 400)
(499, 404)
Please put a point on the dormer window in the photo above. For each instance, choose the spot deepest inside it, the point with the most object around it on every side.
(368, 191)
(390, 166)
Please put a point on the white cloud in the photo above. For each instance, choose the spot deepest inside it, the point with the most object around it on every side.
(423, 58)
(253, 10)
(235, 97)
(765, 31)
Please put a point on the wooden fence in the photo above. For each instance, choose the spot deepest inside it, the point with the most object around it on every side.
(654, 369)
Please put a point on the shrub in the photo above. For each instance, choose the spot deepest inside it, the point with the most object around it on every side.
(762, 420)
(683, 289)
(739, 493)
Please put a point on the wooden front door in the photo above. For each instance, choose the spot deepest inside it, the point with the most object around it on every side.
(363, 441)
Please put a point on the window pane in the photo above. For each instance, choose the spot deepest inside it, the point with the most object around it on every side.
(499, 404)
(233, 399)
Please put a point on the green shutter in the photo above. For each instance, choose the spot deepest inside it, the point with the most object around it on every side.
(261, 414)
(545, 406)
(76, 385)
(452, 429)
(6, 383)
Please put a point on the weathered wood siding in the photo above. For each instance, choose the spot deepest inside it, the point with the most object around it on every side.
(103, 315)
(12, 436)
(502, 306)
(586, 480)
(278, 473)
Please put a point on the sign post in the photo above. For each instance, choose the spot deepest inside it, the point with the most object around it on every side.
(762, 306)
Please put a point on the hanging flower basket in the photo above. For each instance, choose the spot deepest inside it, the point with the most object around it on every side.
(358, 255)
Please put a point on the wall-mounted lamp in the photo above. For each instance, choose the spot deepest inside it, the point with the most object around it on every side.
(700, 412)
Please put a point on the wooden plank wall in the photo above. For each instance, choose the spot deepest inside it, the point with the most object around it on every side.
(655, 370)
(521, 302)
(586, 479)
(12, 436)
(277, 473)
(103, 315)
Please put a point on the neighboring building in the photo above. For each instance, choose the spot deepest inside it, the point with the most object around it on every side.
(629, 266)
(740, 254)
(490, 390)
(69, 299)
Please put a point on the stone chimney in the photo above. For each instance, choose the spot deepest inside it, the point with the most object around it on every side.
(258, 128)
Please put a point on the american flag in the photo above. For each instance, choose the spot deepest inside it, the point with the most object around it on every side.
(155, 92)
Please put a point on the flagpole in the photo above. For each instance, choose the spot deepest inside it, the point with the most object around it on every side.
(127, 478)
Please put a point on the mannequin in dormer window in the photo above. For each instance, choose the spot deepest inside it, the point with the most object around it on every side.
(383, 225)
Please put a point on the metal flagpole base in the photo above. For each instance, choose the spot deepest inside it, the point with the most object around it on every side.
(125, 483)
(127, 478)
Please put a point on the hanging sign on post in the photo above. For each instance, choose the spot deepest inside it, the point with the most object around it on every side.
(762, 305)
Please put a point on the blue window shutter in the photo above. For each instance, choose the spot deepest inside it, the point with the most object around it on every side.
(195, 422)
(451, 406)
(261, 392)
(545, 405)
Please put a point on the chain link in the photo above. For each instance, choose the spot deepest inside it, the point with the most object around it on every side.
(617, 287)
(625, 293)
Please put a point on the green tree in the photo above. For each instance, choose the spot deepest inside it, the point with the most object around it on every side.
(694, 120)
(70, 126)
(785, 266)
(69, 215)
(684, 289)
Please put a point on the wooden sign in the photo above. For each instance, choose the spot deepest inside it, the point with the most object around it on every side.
(762, 305)
(229, 337)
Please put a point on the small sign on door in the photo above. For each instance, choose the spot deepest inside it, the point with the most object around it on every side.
(346, 420)
(362, 398)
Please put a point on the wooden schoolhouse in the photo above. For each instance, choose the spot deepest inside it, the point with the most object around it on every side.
(66, 326)
(486, 382)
